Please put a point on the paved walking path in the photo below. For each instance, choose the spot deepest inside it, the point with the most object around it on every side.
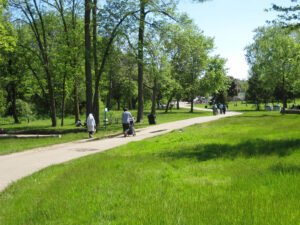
(18, 165)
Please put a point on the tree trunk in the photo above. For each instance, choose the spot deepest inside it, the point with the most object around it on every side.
(284, 98)
(13, 90)
(52, 100)
(103, 62)
(76, 103)
(192, 104)
(88, 68)
(154, 93)
(63, 97)
(168, 103)
(130, 104)
(96, 106)
(73, 65)
(133, 102)
(141, 62)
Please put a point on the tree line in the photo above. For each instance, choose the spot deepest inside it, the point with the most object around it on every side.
(274, 58)
(63, 57)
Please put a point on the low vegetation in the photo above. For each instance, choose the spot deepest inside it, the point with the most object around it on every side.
(239, 170)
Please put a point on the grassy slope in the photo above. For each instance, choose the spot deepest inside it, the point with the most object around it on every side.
(242, 170)
(16, 145)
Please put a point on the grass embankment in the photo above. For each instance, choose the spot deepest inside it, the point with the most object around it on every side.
(71, 133)
(240, 170)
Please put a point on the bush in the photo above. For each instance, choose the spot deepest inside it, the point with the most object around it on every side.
(23, 109)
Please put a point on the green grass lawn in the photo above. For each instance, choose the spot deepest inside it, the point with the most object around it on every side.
(238, 170)
(42, 126)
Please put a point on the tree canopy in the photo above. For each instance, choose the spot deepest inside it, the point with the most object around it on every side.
(79, 55)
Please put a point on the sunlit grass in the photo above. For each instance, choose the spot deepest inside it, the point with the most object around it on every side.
(239, 170)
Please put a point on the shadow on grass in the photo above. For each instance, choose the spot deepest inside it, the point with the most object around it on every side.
(245, 149)
(285, 169)
(260, 115)
(175, 111)
(42, 130)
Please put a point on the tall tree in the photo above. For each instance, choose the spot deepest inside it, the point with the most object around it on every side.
(69, 45)
(165, 9)
(141, 60)
(275, 56)
(88, 49)
(191, 59)
(32, 10)
(115, 17)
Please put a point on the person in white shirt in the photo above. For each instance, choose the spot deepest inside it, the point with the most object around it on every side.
(91, 125)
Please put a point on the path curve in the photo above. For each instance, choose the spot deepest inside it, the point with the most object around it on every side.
(18, 165)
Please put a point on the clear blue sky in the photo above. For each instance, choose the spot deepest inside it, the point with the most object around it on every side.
(231, 23)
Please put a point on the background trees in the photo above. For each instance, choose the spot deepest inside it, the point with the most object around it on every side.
(7, 39)
(134, 52)
(274, 59)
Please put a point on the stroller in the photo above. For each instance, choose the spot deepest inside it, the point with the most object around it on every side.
(131, 130)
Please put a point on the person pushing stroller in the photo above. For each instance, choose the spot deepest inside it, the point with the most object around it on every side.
(128, 123)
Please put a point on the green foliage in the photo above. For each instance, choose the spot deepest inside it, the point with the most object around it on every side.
(190, 57)
(7, 39)
(234, 171)
(47, 53)
(274, 60)
(215, 79)
(233, 88)
(23, 109)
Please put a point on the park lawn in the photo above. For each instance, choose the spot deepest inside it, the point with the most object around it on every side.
(238, 170)
(17, 145)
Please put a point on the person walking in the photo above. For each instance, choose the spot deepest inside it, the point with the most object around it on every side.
(221, 108)
(224, 109)
(126, 117)
(91, 125)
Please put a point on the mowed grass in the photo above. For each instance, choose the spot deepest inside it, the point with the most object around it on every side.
(238, 170)
(17, 145)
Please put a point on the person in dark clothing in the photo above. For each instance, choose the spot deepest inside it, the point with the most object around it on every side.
(224, 109)
(126, 117)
